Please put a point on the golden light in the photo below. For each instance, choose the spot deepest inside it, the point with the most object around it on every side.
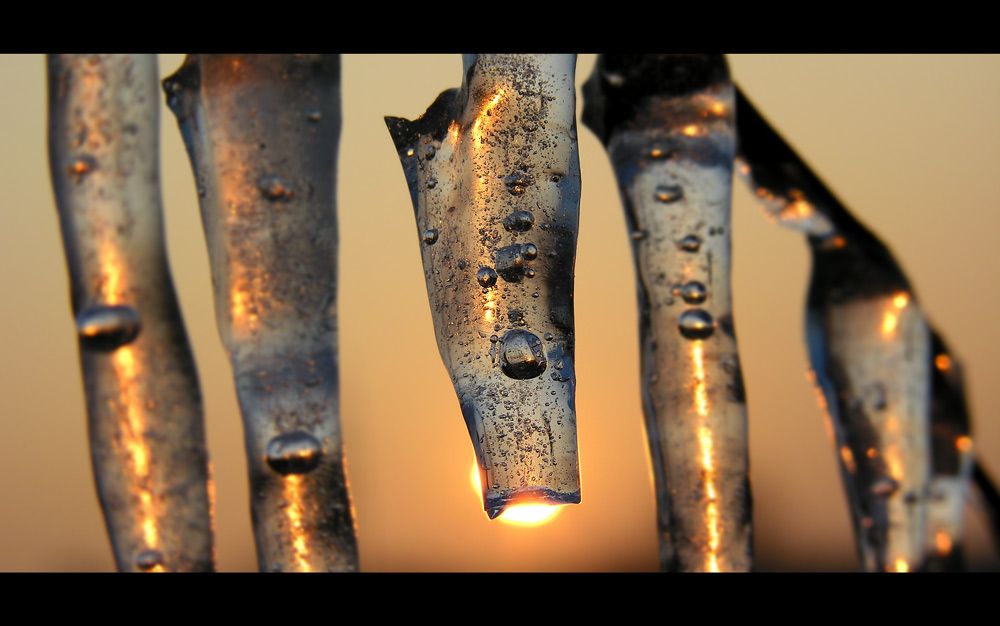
(848, 457)
(942, 362)
(489, 307)
(693, 130)
(700, 394)
(902, 566)
(889, 324)
(485, 112)
(943, 542)
(293, 495)
(527, 514)
(900, 300)
(711, 510)
(892, 459)
(964, 443)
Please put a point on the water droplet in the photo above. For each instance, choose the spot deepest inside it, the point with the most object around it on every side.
(556, 178)
(884, 486)
(669, 193)
(694, 292)
(521, 356)
(494, 513)
(535, 294)
(517, 182)
(149, 559)
(274, 188)
(432, 183)
(409, 152)
(530, 273)
(293, 453)
(106, 328)
(529, 251)
(548, 336)
(314, 115)
(83, 164)
(696, 324)
(494, 339)
(429, 153)
(486, 276)
(691, 243)
(429, 236)
(519, 221)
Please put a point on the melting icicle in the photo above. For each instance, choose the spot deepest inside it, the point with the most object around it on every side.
(505, 204)
(147, 437)
(667, 123)
(262, 133)
(871, 352)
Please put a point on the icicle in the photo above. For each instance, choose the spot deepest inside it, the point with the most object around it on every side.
(871, 353)
(494, 176)
(667, 123)
(147, 438)
(262, 133)
(951, 462)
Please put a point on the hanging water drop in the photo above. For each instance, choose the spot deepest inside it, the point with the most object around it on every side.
(696, 324)
(430, 236)
(694, 292)
(486, 276)
(294, 453)
(521, 356)
(106, 328)
(529, 251)
(669, 193)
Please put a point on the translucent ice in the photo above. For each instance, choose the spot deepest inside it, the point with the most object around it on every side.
(493, 170)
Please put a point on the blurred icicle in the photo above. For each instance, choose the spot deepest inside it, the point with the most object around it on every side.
(494, 176)
(667, 123)
(145, 416)
(873, 355)
(262, 134)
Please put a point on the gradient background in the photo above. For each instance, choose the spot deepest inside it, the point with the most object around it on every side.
(911, 144)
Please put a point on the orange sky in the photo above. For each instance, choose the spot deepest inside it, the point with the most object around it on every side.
(911, 144)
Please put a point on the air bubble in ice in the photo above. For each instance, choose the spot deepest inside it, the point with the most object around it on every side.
(696, 324)
(694, 292)
(274, 188)
(429, 153)
(314, 115)
(429, 236)
(510, 263)
(293, 453)
(691, 243)
(669, 193)
(519, 221)
(517, 182)
(521, 355)
(106, 328)
(486, 276)
(529, 251)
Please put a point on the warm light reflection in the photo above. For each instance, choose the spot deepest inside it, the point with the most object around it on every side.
(943, 542)
(890, 320)
(711, 510)
(848, 457)
(484, 113)
(893, 460)
(892, 424)
(293, 495)
(528, 514)
(700, 394)
(489, 307)
(942, 362)
(902, 566)
(963, 443)
(693, 130)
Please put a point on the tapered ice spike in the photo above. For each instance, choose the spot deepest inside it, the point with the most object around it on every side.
(667, 123)
(494, 176)
(147, 436)
(872, 355)
(262, 134)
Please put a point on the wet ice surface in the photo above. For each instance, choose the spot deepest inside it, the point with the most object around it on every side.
(143, 401)
(667, 123)
(892, 393)
(262, 134)
(494, 176)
